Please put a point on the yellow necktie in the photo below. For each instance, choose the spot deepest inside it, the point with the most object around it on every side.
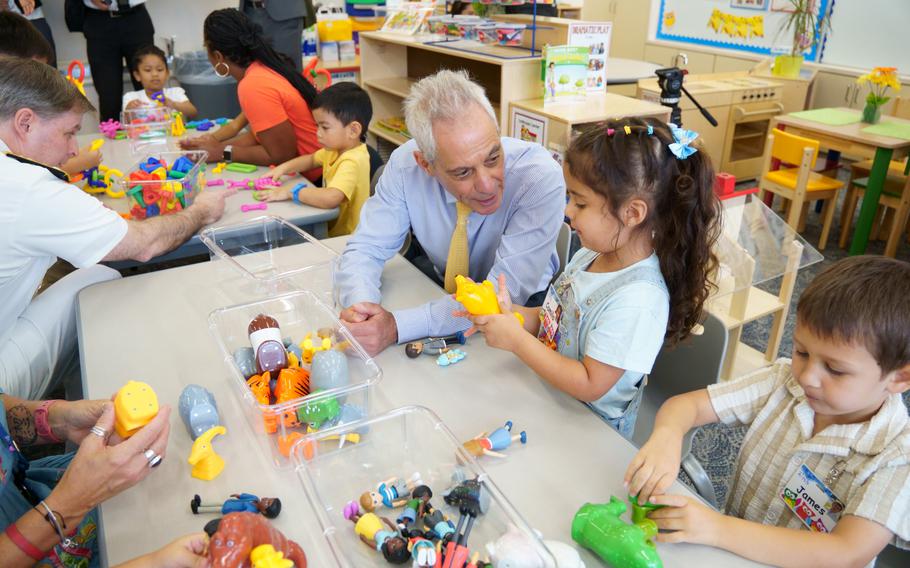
(457, 263)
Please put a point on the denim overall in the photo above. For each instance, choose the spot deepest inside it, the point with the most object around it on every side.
(576, 321)
(19, 477)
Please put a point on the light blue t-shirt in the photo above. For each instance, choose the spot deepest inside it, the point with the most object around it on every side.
(629, 330)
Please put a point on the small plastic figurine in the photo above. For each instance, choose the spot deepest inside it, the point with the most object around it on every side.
(265, 337)
(450, 357)
(269, 507)
(434, 346)
(489, 444)
(422, 551)
(265, 556)
(198, 410)
(315, 414)
(236, 535)
(479, 299)
(415, 508)
(391, 493)
(514, 549)
(369, 527)
(207, 465)
(309, 346)
(134, 406)
(599, 528)
(329, 370)
(468, 492)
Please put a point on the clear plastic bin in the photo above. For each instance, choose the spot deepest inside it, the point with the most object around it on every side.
(147, 122)
(400, 443)
(257, 251)
(510, 34)
(153, 197)
(298, 314)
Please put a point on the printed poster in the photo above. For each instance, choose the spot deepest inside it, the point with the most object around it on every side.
(529, 127)
(596, 37)
(566, 73)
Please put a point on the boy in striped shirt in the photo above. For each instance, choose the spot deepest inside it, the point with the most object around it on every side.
(823, 475)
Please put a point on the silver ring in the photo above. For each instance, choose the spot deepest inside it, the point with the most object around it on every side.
(99, 431)
(153, 458)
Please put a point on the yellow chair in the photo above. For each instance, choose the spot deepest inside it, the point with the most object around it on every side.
(799, 185)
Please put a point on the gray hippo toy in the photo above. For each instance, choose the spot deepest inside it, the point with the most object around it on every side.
(198, 410)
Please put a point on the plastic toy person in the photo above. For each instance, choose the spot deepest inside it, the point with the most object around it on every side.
(269, 507)
(391, 493)
(433, 345)
(134, 406)
(438, 525)
(600, 529)
(207, 465)
(479, 299)
(369, 527)
(236, 535)
(468, 492)
(423, 552)
(490, 444)
(416, 507)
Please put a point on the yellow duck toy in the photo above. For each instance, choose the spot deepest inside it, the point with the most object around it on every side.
(479, 299)
(207, 465)
(265, 556)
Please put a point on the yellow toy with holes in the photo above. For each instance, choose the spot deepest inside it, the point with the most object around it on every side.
(134, 406)
(265, 556)
(479, 299)
(207, 465)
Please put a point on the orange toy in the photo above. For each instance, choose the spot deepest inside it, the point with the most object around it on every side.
(134, 406)
(292, 383)
(259, 385)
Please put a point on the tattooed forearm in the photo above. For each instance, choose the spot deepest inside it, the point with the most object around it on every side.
(22, 425)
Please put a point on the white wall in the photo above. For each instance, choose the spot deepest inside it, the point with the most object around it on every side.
(180, 18)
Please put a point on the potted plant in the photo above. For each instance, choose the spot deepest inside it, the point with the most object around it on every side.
(879, 80)
(807, 27)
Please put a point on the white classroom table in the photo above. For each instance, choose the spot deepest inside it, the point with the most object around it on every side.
(153, 327)
(118, 154)
(621, 71)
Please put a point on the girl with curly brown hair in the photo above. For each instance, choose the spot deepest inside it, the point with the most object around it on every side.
(641, 201)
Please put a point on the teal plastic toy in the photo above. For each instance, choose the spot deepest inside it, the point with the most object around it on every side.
(599, 528)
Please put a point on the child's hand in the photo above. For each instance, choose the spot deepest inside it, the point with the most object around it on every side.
(135, 103)
(655, 467)
(502, 331)
(278, 171)
(689, 519)
(185, 552)
(280, 194)
(502, 295)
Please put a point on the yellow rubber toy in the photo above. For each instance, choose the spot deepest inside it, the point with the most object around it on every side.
(479, 299)
(134, 407)
(207, 465)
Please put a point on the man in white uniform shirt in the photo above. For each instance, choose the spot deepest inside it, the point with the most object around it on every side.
(43, 217)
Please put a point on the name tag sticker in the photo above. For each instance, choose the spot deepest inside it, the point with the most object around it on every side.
(550, 313)
(811, 501)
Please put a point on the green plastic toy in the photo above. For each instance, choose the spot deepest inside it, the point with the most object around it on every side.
(241, 167)
(599, 528)
(317, 413)
(640, 512)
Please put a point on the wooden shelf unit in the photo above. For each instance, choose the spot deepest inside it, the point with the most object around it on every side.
(737, 302)
(392, 63)
(563, 117)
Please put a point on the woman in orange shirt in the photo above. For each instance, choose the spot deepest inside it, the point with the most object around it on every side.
(274, 97)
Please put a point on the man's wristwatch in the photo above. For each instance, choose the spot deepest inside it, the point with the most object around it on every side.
(228, 153)
(42, 426)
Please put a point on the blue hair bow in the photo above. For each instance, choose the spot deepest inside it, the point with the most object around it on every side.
(681, 148)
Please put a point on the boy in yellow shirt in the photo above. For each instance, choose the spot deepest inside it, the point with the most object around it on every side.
(342, 113)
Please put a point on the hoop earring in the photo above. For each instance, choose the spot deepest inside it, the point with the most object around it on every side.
(227, 70)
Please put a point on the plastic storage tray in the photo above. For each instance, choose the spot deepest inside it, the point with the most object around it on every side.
(146, 123)
(149, 198)
(298, 314)
(399, 443)
(257, 250)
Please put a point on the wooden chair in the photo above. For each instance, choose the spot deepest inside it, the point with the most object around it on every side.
(799, 185)
(894, 199)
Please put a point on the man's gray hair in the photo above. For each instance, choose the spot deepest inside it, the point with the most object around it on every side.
(26, 83)
(443, 96)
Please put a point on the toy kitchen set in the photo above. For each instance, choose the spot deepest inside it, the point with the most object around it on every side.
(742, 104)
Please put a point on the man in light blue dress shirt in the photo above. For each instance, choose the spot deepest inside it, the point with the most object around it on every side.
(515, 189)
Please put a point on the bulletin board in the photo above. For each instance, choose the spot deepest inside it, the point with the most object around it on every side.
(744, 25)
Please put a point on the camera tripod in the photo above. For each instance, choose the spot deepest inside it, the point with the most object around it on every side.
(670, 81)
